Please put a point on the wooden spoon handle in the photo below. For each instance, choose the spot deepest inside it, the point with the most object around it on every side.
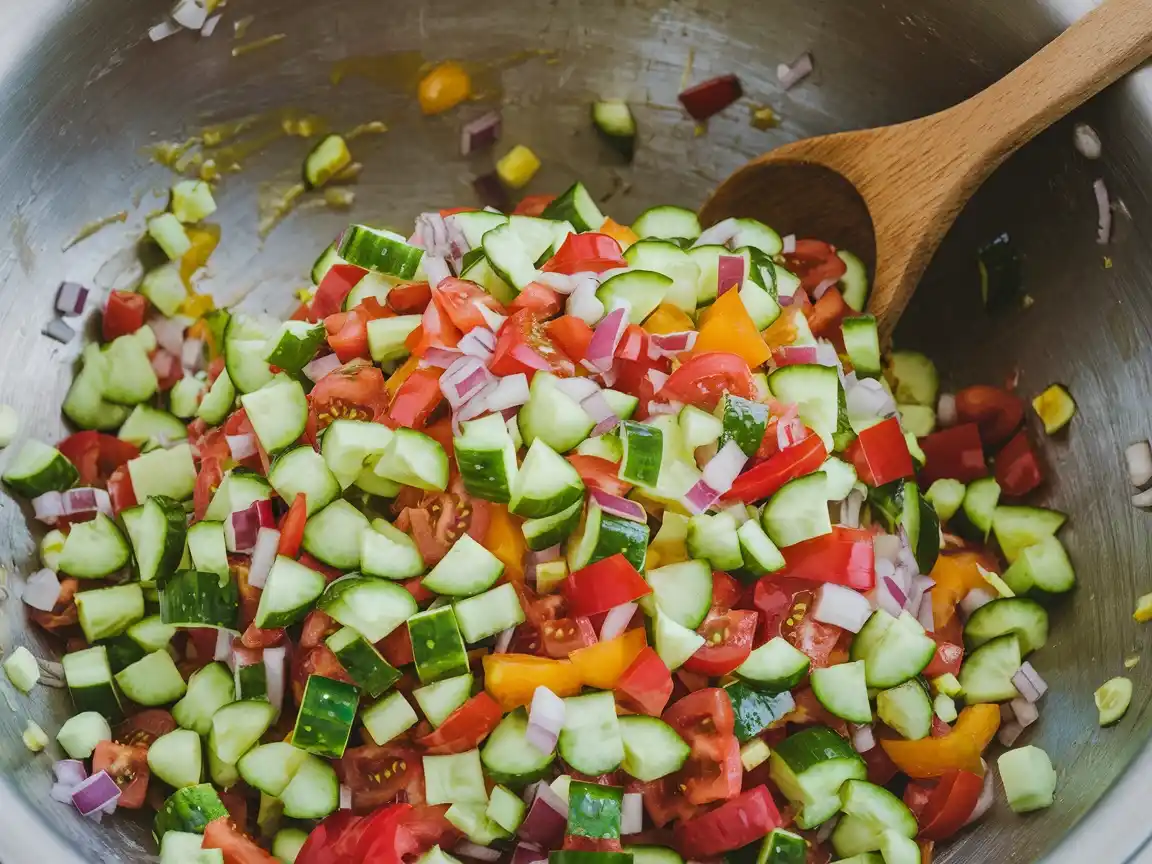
(1097, 50)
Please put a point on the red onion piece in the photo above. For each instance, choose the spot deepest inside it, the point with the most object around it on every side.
(95, 793)
(1103, 213)
(924, 613)
(169, 332)
(946, 415)
(850, 509)
(493, 319)
(1009, 732)
(463, 380)
(793, 355)
(70, 772)
(223, 652)
(719, 234)
(863, 738)
(165, 364)
(58, 330)
(987, 796)
(657, 379)
(617, 506)
(241, 446)
(919, 587)
(547, 819)
(440, 358)
(723, 468)
(530, 358)
(578, 389)
(790, 76)
(822, 288)
(789, 433)
(473, 345)
(890, 596)
(786, 300)
(841, 607)
(526, 853)
(243, 526)
(71, 298)
(632, 813)
(976, 598)
(671, 344)
(481, 133)
(789, 241)
(1029, 683)
(552, 553)
(616, 622)
(345, 797)
(605, 338)
(699, 498)
(436, 269)
(504, 641)
(545, 720)
(49, 507)
(730, 270)
(41, 590)
(509, 392)
(61, 792)
(263, 556)
(275, 674)
(321, 367)
(825, 830)
(479, 853)
(598, 408)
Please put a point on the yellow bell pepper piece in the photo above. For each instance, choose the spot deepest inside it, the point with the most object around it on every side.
(622, 234)
(960, 749)
(728, 327)
(397, 378)
(955, 576)
(602, 664)
(512, 679)
(197, 305)
(445, 87)
(518, 166)
(783, 330)
(667, 318)
(505, 540)
(205, 239)
(1143, 611)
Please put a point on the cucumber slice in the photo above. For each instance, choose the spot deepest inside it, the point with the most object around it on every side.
(862, 342)
(643, 452)
(327, 159)
(349, 446)
(81, 733)
(108, 612)
(270, 767)
(799, 510)
(238, 726)
(652, 748)
(508, 756)
(455, 779)
(986, 674)
(89, 678)
(313, 793)
(1027, 619)
(707, 261)
(602, 535)
(1041, 570)
(638, 291)
(333, 535)
(913, 378)
(661, 256)
(293, 346)
(854, 284)
(675, 643)
(842, 690)
(467, 569)
(389, 718)
(147, 426)
(302, 470)
(387, 336)
(370, 672)
(239, 490)
(327, 713)
(439, 699)
(278, 413)
(170, 473)
(511, 258)
(381, 251)
(217, 402)
(209, 690)
(809, 767)
(94, 549)
(755, 710)
(388, 552)
(683, 591)
(189, 810)
(487, 614)
(900, 653)
(546, 484)
(153, 681)
(590, 741)
(906, 709)
(1017, 528)
(775, 666)
(486, 458)
(437, 646)
(548, 531)
(979, 508)
(576, 205)
(245, 340)
(289, 593)
(667, 223)
(85, 404)
(414, 459)
(176, 758)
(373, 607)
(189, 598)
(37, 469)
(816, 392)
(158, 535)
(1112, 700)
(714, 539)
(1029, 779)
(946, 496)
(552, 416)
(131, 378)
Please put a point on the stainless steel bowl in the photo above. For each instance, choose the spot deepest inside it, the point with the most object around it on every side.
(83, 93)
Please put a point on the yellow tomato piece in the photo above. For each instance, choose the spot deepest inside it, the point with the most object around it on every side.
(445, 87)
(512, 679)
(602, 664)
(667, 318)
(960, 749)
(622, 234)
(518, 166)
(728, 327)
(505, 540)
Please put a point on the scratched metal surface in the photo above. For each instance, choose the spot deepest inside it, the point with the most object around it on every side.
(82, 91)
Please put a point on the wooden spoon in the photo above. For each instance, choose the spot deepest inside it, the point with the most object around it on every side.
(890, 194)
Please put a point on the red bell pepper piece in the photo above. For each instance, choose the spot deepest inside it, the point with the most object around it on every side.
(880, 454)
(766, 478)
(1017, 467)
(586, 253)
(844, 557)
(124, 314)
(955, 453)
(646, 685)
(711, 96)
(743, 820)
(603, 586)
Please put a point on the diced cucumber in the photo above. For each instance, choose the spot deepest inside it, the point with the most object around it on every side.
(170, 473)
(278, 413)
(661, 256)
(576, 205)
(714, 539)
(652, 748)
(437, 645)
(946, 496)
(986, 674)
(913, 378)
(667, 223)
(176, 758)
(303, 470)
(842, 690)
(486, 458)
(386, 337)
(237, 727)
(799, 510)
(333, 535)
(590, 741)
(153, 681)
(862, 342)
(455, 779)
(389, 718)
(390, 553)
(1029, 779)
(508, 756)
(816, 393)
(373, 607)
(638, 291)
(209, 690)
(439, 699)
(546, 483)
(414, 459)
(327, 159)
(602, 535)
(371, 672)
(854, 284)
(313, 792)
(553, 416)
(1041, 570)
(809, 767)
(675, 643)
(1027, 619)
(906, 709)
(381, 251)
(289, 593)
(755, 710)
(147, 426)
(776, 666)
(683, 591)
(81, 733)
(37, 468)
(108, 612)
(270, 767)
(190, 598)
(489, 613)
(94, 549)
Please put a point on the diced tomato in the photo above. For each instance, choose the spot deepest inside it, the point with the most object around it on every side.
(354, 391)
(704, 378)
(435, 520)
(465, 727)
(763, 480)
(120, 490)
(570, 334)
(315, 661)
(348, 335)
(843, 557)
(946, 660)
(743, 820)
(318, 626)
(705, 720)
(256, 637)
(950, 805)
(336, 285)
(292, 527)
(208, 480)
(396, 647)
(533, 205)
(1018, 467)
(781, 602)
(880, 454)
(814, 261)
(376, 774)
(664, 802)
(64, 614)
(168, 369)
(143, 728)
(462, 301)
(538, 298)
(96, 456)
(331, 841)
(586, 253)
(646, 685)
(417, 398)
(955, 453)
(827, 315)
(523, 346)
(710, 97)
(604, 585)
(881, 768)
(237, 847)
(728, 641)
(127, 764)
(410, 299)
(816, 639)
(561, 637)
(124, 314)
(997, 412)
(916, 795)
(436, 330)
(726, 591)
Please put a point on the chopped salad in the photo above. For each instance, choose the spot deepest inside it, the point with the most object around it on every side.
(539, 537)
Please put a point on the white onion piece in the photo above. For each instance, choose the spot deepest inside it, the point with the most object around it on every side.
(719, 234)
(493, 319)
(723, 468)
(605, 338)
(465, 378)
(863, 738)
(223, 653)
(841, 607)
(850, 509)
(263, 556)
(48, 508)
(616, 621)
(790, 76)
(789, 241)
(509, 392)
(241, 446)
(1143, 499)
(170, 331)
(1086, 141)
(946, 414)
(545, 720)
(436, 269)
(275, 674)
(345, 797)
(1026, 712)
(58, 330)
(163, 30)
(41, 590)
(479, 343)
(1103, 212)
(584, 304)
(578, 389)
(987, 796)
(976, 598)
(868, 398)
(61, 792)
(561, 283)
(1139, 459)
(925, 615)
(321, 366)
(190, 14)
(475, 851)
(504, 641)
(70, 772)
(632, 813)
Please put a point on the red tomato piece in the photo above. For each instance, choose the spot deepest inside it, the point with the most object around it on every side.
(705, 720)
(816, 639)
(124, 314)
(764, 480)
(436, 330)
(396, 647)
(465, 727)
(814, 261)
(827, 315)
(522, 345)
(997, 412)
(127, 764)
(844, 557)
(410, 299)
(539, 298)
(571, 335)
(604, 585)
(1018, 467)
(880, 454)
(336, 285)
(916, 795)
(955, 453)
(208, 480)
(646, 685)
(704, 378)
(726, 591)
(728, 641)
(143, 728)
(950, 804)
(354, 391)
(292, 527)
(417, 398)
(946, 660)
(96, 456)
(533, 205)
(599, 474)
(64, 614)
(348, 335)
(663, 801)
(779, 600)
(743, 820)
(586, 253)
(377, 774)
(255, 637)
(237, 847)
(462, 301)
(120, 490)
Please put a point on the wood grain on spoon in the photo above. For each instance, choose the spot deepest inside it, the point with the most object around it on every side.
(912, 179)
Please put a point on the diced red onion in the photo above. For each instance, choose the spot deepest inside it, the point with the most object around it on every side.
(584, 304)
(925, 615)
(561, 283)
(263, 556)
(492, 319)
(474, 345)
(789, 241)
(671, 344)
(946, 414)
(891, 597)
(1139, 459)
(169, 332)
(1026, 712)
(987, 796)
(85, 500)
(886, 547)
(192, 354)
(719, 234)
(49, 507)
(1009, 732)
(58, 330)
(71, 298)
(632, 813)
(543, 556)
(730, 273)
(792, 355)
(605, 338)
(61, 792)
(841, 607)
(440, 358)
(243, 526)
(526, 853)
(41, 590)
(321, 366)
(241, 446)
(95, 793)
(974, 599)
(530, 358)
(788, 433)
(1103, 213)
(473, 850)
(504, 641)
(655, 408)
(510, 392)
(790, 76)
(786, 300)
(907, 558)
(822, 288)
(1086, 141)
(916, 591)
(723, 468)
(545, 720)
(481, 133)
(345, 797)
(616, 621)
(699, 498)
(465, 378)
(547, 819)
(223, 652)
(473, 408)
(577, 389)
(275, 674)
(868, 398)
(863, 738)
(1028, 683)
(70, 772)
(617, 506)
(436, 269)
(850, 509)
